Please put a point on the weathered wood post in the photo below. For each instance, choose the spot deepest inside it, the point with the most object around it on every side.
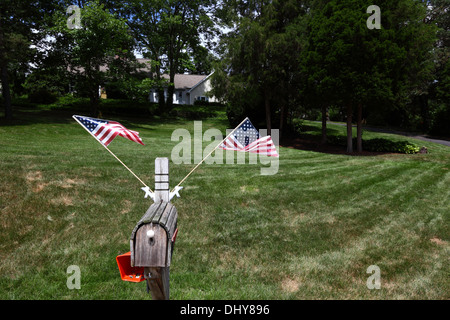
(152, 239)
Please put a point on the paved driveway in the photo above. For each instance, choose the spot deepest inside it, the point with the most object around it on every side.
(406, 134)
(411, 135)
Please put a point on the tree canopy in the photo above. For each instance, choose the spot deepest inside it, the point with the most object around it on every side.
(275, 61)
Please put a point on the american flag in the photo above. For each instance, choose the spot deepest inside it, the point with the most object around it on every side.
(247, 139)
(105, 130)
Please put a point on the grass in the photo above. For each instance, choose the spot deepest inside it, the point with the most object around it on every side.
(308, 232)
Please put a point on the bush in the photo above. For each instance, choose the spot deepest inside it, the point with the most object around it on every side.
(377, 144)
(127, 107)
(385, 145)
(196, 112)
(440, 122)
(68, 101)
(207, 103)
(42, 96)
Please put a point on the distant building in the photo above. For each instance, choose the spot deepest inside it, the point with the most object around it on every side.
(188, 89)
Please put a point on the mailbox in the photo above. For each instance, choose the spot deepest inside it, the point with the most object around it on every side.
(152, 239)
(151, 242)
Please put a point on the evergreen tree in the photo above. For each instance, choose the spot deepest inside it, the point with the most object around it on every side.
(354, 66)
(258, 72)
(22, 24)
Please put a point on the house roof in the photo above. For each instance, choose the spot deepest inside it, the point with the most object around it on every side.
(144, 66)
(186, 81)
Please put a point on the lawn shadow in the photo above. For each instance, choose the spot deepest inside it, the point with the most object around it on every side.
(24, 115)
(311, 143)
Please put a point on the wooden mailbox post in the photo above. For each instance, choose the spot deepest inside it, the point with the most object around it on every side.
(152, 239)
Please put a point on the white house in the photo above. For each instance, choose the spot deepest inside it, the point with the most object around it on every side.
(188, 89)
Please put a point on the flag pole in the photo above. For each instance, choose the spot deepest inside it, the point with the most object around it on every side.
(113, 154)
(208, 155)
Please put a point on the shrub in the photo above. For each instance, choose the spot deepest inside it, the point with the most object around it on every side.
(440, 121)
(42, 96)
(69, 102)
(385, 145)
(196, 112)
(374, 145)
(127, 107)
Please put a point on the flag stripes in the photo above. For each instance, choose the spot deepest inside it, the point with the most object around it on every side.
(105, 130)
(246, 138)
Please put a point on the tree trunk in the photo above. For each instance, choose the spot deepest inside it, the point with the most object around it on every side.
(349, 128)
(161, 100)
(425, 111)
(170, 91)
(324, 125)
(171, 87)
(282, 120)
(6, 91)
(359, 129)
(268, 116)
(94, 103)
(160, 89)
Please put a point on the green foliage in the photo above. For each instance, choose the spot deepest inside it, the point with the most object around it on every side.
(102, 42)
(72, 103)
(258, 71)
(122, 107)
(198, 111)
(43, 96)
(348, 63)
(385, 145)
(378, 144)
(441, 121)
(169, 33)
(45, 85)
(131, 88)
(23, 27)
(336, 137)
(108, 107)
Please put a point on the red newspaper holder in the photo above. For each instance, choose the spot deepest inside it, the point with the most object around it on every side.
(127, 272)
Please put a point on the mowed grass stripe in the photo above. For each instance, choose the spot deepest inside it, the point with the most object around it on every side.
(308, 232)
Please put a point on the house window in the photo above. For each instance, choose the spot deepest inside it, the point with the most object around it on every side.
(202, 98)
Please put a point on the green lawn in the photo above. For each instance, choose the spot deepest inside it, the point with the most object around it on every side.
(308, 232)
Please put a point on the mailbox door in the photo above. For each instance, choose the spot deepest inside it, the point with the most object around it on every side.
(150, 252)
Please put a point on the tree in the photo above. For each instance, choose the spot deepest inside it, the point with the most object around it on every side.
(438, 90)
(166, 31)
(22, 25)
(101, 40)
(359, 67)
(259, 67)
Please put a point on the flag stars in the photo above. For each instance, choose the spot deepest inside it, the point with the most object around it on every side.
(246, 133)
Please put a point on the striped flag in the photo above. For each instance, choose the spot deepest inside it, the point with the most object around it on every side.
(246, 138)
(105, 130)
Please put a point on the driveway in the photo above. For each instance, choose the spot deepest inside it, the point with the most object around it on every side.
(406, 134)
(410, 135)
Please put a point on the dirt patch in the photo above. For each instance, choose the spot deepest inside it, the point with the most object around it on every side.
(126, 206)
(69, 183)
(64, 200)
(34, 176)
(438, 241)
(290, 285)
(34, 180)
(39, 187)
